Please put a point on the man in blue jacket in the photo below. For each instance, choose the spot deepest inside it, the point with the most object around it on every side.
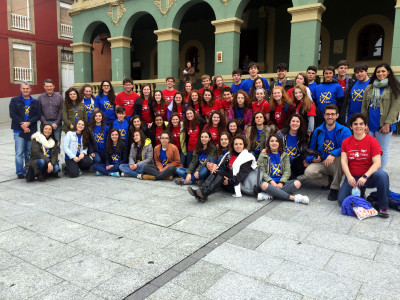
(327, 139)
(24, 114)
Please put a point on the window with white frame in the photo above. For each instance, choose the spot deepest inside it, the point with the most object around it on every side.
(20, 18)
(65, 21)
(22, 62)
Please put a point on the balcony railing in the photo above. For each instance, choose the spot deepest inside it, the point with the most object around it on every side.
(66, 31)
(22, 74)
(20, 22)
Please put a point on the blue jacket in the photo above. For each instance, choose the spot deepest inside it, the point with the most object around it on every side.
(17, 115)
(318, 136)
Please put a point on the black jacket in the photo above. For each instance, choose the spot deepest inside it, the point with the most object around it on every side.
(138, 108)
(123, 154)
(17, 115)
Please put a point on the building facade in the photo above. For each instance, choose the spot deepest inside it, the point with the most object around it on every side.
(34, 45)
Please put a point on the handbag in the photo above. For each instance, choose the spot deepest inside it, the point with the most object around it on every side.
(251, 185)
(30, 174)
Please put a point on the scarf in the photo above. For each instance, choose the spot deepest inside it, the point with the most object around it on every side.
(376, 93)
(46, 143)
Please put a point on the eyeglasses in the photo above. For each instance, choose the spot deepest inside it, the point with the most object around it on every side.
(330, 115)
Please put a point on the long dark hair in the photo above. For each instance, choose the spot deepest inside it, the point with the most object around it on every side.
(221, 125)
(109, 145)
(212, 100)
(199, 146)
(393, 82)
(190, 124)
(302, 136)
(238, 129)
(141, 97)
(247, 103)
(238, 137)
(132, 128)
(252, 93)
(175, 106)
(92, 124)
(280, 149)
(220, 149)
(111, 93)
(68, 101)
(142, 142)
(184, 93)
(85, 133)
(162, 101)
(253, 129)
(52, 136)
(170, 126)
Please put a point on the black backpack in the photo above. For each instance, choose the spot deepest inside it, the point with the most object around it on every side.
(297, 167)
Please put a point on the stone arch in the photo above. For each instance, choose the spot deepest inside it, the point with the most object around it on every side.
(352, 47)
(181, 11)
(90, 29)
(128, 26)
(199, 46)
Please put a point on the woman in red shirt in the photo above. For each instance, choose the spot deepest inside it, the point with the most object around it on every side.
(210, 104)
(177, 106)
(155, 130)
(144, 105)
(160, 106)
(304, 106)
(281, 107)
(187, 88)
(175, 126)
(259, 103)
(216, 125)
(192, 126)
(195, 100)
(218, 86)
(257, 83)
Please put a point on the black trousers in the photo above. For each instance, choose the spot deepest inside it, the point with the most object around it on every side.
(73, 168)
(153, 170)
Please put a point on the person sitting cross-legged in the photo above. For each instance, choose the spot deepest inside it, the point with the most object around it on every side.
(361, 161)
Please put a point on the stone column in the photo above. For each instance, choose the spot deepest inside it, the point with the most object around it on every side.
(305, 35)
(262, 34)
(227, 43)
(120, 57)
(82, 62)
(396, 37)
(167, 53)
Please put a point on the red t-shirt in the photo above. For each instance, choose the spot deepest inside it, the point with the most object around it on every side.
(264, 106)
(312, 112)
(218, 92)
(193, 136)
(126, 101)
(207, 109)
(176, 136)
(162, 110)
(290, 93)
(226, 105)
(360, 153)
(197, 109)
(187, 98)
(169, 95)
(146, 115)
(278, 114)
(202, 89)
(179, 111)
(343, 84)
(214, 133)
(158, 134)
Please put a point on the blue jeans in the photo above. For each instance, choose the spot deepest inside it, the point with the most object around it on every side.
(379, 179)
(182, 157)
(102, 168)
(57, 133)
(42, 164)
(203, 173)
(98, 157)
(384, 141)
(189, 156)
(127, 171)
(22, 150)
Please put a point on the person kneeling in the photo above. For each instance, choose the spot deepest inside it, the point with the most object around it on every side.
(361, 161)
(275, 166)
(233, 169)
(44, 153)
(116, 153)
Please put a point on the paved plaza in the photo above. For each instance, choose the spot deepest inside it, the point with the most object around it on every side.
(98, 237)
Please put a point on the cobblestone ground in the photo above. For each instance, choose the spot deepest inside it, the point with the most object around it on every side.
(98, 237)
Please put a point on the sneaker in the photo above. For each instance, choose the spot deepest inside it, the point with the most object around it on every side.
(192, 191)
(20, 176)
(114, 174)
(139, 177)
(148, 177)
(170, 178)
(263, 197)
(64, 169)
(98, 173)
(301, 199)
(123, 174)
(333, 195)
(383, 213)
(180, 181)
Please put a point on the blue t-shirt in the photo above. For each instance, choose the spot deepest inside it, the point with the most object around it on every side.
(313, 87)
(100, 137)
(330, 142)
(275, 169)
(202, 157)
(163, 157)
(89, 108)
(115, 158)
(375, 115)
(76, 113)
(357, 95)
(47, 152)
(248, 83)
(102, 102)
(291, 146)
(240, 117)
(257, 148)
(27, 108)
(78, 151)
(123, 128)
(236, 88)
(327, 93)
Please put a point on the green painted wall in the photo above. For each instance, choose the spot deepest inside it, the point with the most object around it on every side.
(396, 40)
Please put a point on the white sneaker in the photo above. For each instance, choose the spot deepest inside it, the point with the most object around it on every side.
(301, 199)
(139, 176)
(263, 196)
(122, 174)
(98, 173)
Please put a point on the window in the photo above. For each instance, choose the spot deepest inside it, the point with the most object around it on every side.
(65, 21)
(193, 55)
(370, 43)
(22, 62)
(67, 56)
(21, 15)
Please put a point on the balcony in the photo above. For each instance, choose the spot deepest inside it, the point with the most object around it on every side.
(22, 74)
(20, 22)
(66, 31)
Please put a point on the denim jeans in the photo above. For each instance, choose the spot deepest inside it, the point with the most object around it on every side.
(189, 156)
(98, 157)
(57, 133)
(182, 157)
(203, 173)
(102, 168)
(127, 171)
(379, 179)
(384, 141)
(22, 151)
(42, 164)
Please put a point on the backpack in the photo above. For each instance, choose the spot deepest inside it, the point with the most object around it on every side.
(251, 185)
(30, 174)
(393, 200)
(297, 167)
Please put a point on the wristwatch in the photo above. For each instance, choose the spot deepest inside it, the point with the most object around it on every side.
(365, 176)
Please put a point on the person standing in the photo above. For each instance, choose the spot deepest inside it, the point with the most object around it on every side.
(189, 72)
(127, 98)
(73, 109)
(51, 104)
(341, 77)
(169, 92)
(24, 114)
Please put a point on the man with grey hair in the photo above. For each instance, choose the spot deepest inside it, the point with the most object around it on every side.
(24, 114)
(51, 104)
